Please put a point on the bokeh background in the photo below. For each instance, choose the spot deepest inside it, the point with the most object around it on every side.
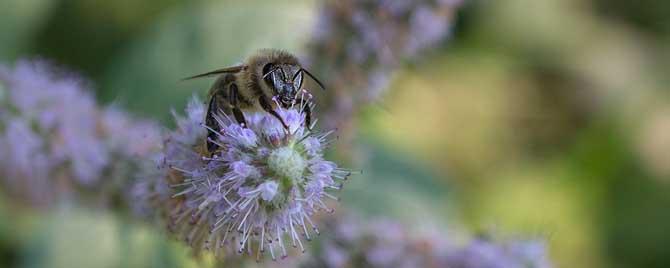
(544, 118)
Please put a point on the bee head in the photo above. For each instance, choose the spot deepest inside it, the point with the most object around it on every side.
(285, 81)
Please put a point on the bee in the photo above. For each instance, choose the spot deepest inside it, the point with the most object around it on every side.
(267, 79)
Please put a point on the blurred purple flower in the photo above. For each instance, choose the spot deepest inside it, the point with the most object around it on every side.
(261, 188)
(357, 44)
(128, 136)
(24, 166)
(427, 27)
(58, 106)
(507, 254)
(352, 242)
(151, 194)
(150, 191)
(55, 139)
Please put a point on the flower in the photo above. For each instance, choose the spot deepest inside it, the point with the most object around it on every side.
(149, 191)
(57, 105)
(128, 136)
(258, 191)
(358, 44)
(482, 253)
(151, 194)
(354, 242)
(56, 141)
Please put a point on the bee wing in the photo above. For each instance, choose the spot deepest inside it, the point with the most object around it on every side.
(233, 69)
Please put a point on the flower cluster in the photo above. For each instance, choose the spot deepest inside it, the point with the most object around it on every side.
(151, 194)
(55, 140)
(385, 243)
(378, 243)
(485, 253)
(358, 43)
(257, 192)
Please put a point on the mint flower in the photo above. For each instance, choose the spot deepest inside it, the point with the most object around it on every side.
(258, 192)
(151, 194)
(358, 45)
(352, 242)
(56, 142)
(126, 136)
(52, 103)
(484, 253)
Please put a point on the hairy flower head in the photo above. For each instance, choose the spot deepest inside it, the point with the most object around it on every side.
(258, 191)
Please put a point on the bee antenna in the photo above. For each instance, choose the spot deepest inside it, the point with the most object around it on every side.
(313, 78)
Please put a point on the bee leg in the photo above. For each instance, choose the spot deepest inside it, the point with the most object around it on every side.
(234, 95)
(268, 108)
(213, 127)
(307, 110)
(218, 102)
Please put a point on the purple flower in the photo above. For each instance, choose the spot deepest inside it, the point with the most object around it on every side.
(180, 146)
(427, 27)
(358, 45)
(483, 253)
(530, 253)
(24, 165)
(150, 191)
(58, 106)
(49, 125)
(128, 136)
(56, 140)
(335, 256)
(354, 242)
(258, 192)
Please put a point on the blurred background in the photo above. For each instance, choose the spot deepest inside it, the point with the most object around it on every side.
(544, 118)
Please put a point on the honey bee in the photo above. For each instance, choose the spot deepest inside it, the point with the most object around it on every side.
(266, 79)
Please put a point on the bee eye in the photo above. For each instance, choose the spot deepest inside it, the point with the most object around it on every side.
(277, 81)
(267, 69)
(282, 73)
